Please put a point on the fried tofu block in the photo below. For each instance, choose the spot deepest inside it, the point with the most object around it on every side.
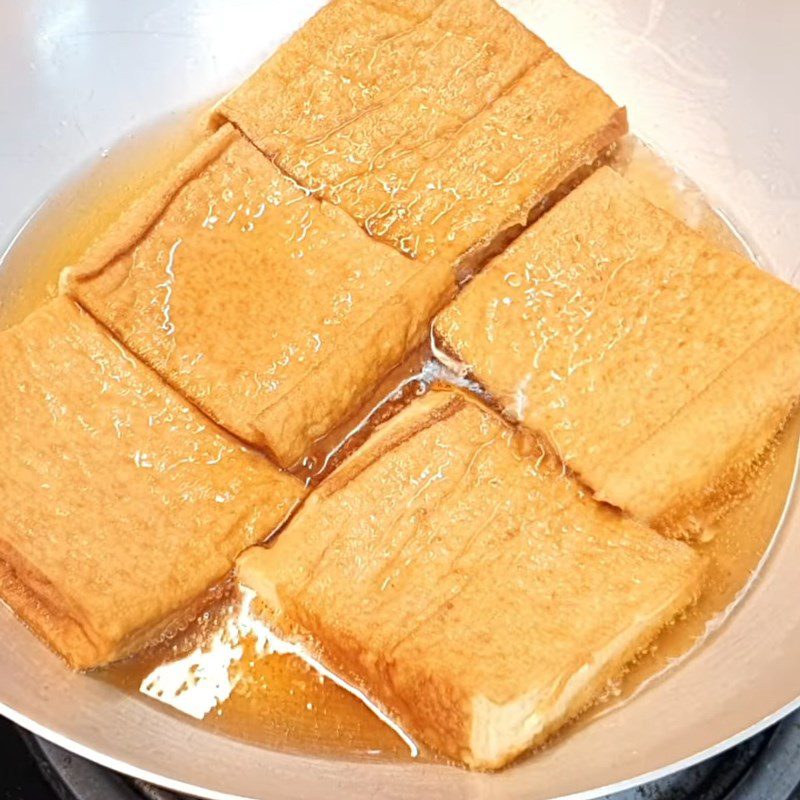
(269, 309)
(440, 130)
(121, 504)
(478, 594)
(657, 365)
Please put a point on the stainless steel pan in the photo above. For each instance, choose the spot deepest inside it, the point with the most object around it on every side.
(713, 84)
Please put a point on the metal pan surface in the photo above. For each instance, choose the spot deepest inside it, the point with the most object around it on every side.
(711, 84)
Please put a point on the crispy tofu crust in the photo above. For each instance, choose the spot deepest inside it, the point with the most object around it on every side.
(269, 309)
(657, 365)
(479, 595)
(441, 130)
(121, 504)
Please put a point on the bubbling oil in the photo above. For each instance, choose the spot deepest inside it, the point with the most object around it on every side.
(218, 670)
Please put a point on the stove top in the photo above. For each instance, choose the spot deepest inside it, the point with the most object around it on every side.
(766, 767)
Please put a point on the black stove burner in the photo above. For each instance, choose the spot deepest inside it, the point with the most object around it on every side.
(766, 767)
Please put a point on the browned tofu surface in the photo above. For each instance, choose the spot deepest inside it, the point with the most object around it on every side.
(481, 596)
(120, 504)
(656, 364)
(270, 310)
(439, 125)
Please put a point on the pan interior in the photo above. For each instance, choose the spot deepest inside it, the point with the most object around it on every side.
(716, 110)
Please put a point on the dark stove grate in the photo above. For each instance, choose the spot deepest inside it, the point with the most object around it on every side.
(766, 767)
(76, 778)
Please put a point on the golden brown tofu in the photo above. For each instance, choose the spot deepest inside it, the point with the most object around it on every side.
(477, 594)
(270, 310)
(121, 504)
(656, 364)
(440, 130)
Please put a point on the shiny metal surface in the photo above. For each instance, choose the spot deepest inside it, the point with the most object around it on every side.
(711, 83)
(765, 767)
